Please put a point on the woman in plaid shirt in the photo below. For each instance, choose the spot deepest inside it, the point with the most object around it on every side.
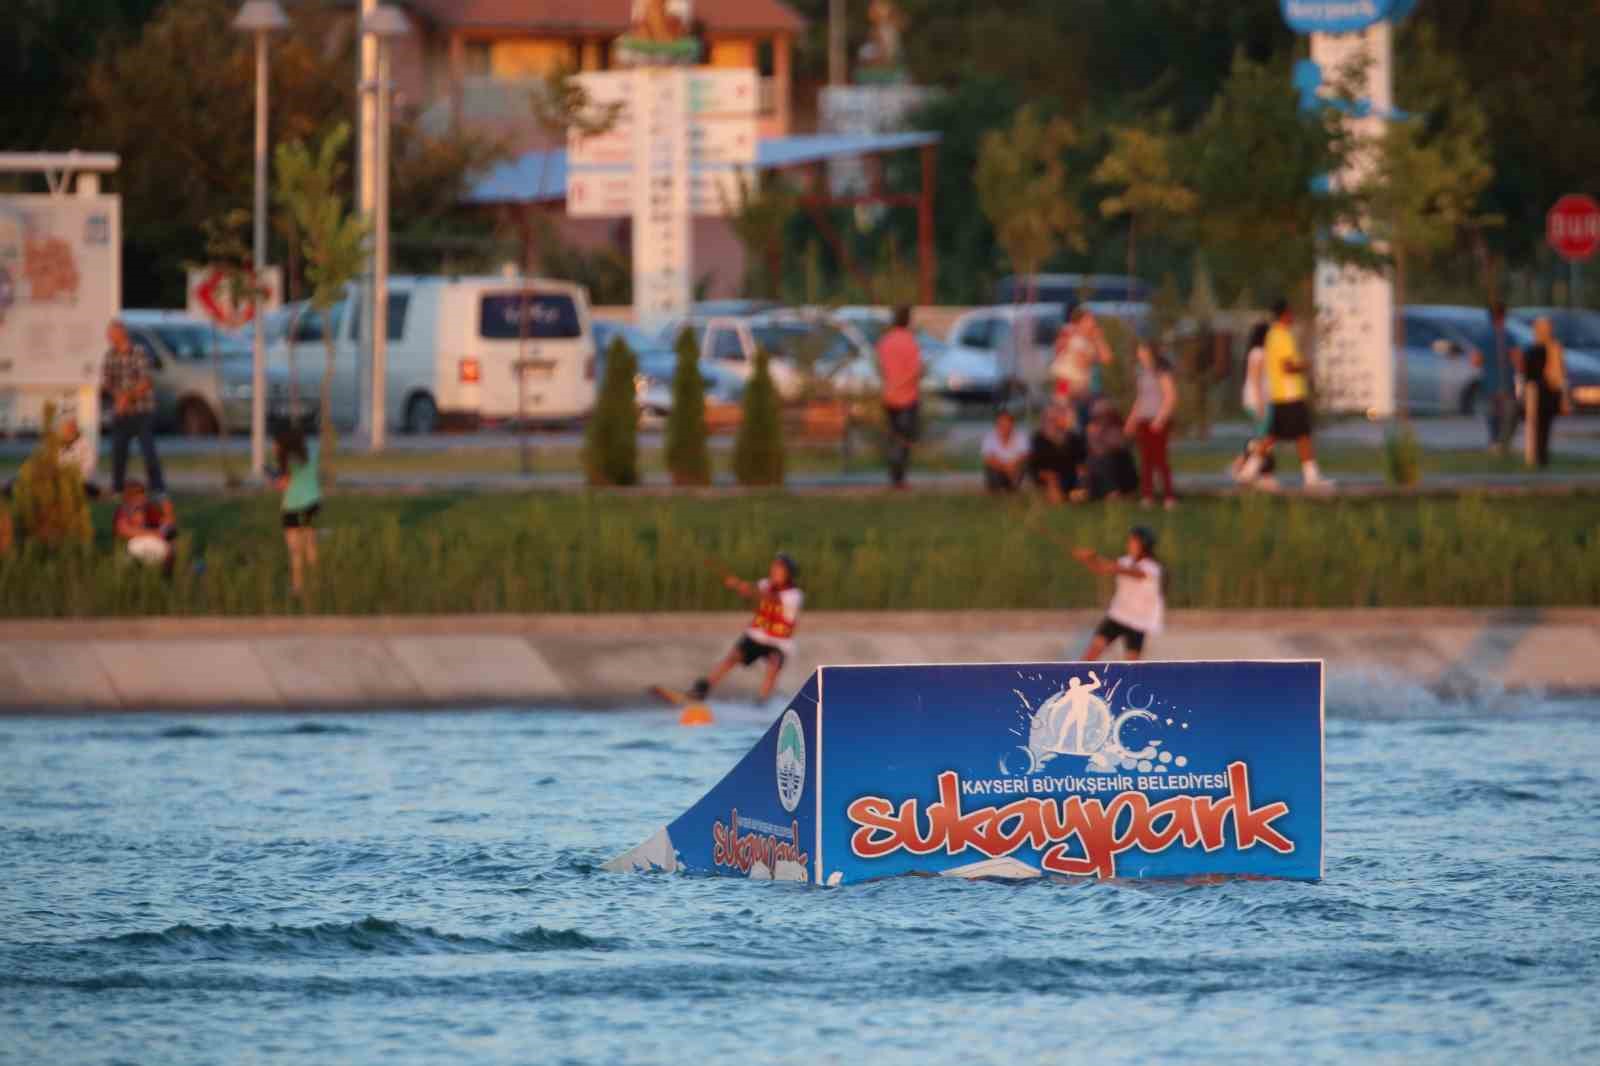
(126, 376)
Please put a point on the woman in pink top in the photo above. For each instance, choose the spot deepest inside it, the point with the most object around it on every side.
(900, 366)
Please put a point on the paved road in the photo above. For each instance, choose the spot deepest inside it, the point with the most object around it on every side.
(1574, 437)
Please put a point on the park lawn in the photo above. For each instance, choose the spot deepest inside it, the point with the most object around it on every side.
(584, 552)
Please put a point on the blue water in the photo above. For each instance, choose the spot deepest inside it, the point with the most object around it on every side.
(424, 888)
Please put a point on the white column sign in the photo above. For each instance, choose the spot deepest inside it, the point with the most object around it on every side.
(661, 249)
(1355, 368)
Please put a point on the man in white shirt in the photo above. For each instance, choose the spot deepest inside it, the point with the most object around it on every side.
(1005, 455)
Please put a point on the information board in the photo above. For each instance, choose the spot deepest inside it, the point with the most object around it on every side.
(60, 285)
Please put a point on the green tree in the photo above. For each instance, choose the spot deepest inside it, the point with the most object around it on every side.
(611, 442)
(688, 457)
(964, 238)
(177, 103)
(47, 499)
(1140, 168)
(1252, 162)
(561, 106)
(1432, 170)
(333, 241)
(758, 447)
(1022, 189)
(758, 214)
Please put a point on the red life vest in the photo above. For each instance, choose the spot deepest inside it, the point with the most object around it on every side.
(770, 617)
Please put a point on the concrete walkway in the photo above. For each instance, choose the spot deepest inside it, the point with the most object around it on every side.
(314, 664)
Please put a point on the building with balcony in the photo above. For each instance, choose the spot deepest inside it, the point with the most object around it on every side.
(473, 63)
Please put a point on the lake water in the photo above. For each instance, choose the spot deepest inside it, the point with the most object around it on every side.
(421, 888)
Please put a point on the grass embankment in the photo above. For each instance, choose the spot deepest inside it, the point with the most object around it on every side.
(457, 553)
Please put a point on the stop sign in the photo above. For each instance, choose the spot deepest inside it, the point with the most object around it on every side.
(1573, 227)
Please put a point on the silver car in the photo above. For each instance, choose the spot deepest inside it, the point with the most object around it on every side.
(202, 376)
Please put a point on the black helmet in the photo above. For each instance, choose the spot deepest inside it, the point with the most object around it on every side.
(1144, 535)
(788, 564)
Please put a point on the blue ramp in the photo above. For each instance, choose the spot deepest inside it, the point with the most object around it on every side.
(1111, 770)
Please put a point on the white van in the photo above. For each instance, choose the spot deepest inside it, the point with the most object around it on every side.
(464, 349)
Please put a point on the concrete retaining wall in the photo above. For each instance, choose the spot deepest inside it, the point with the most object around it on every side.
(609, 660)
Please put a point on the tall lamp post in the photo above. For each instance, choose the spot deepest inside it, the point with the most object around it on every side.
(384, 23)
(260, 17)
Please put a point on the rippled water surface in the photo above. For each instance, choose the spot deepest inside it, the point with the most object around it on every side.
(418, 888)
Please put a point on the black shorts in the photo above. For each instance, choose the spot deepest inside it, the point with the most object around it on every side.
(1113, 631)
(753, 651)
(1290, 421)
(301, 519)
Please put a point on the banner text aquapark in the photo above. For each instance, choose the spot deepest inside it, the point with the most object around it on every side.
(1048, 825)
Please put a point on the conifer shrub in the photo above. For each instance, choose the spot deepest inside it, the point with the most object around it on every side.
(611, 443)
(48, 500)
(687, 454)
(758, 448)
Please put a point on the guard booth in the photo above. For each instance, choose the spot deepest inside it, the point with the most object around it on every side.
(60, 285)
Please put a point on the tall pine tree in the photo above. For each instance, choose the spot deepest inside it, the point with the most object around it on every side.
(688, 458)
(758, 449)
(611, 445)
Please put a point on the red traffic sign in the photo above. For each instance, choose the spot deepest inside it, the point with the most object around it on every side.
(1573, 227)
(214, 301)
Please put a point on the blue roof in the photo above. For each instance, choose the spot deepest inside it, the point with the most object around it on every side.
(535, 177)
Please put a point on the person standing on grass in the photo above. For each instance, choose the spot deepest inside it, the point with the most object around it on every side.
(1150, 423)
(1500, 367)
(296, 477)
(770, 634)
(1005, 455)
(126, 377)
(1544, 367)
(1289, 391)
(1253, 398)
(900, 366)
(1080, 351)
(1139, 605)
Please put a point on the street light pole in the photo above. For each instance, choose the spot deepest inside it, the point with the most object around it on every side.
(259, 17)
(383, 23)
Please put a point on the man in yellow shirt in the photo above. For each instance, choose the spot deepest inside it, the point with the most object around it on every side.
(1289, 393)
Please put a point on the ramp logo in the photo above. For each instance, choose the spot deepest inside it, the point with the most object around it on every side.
(791, 761)
(1078, 721)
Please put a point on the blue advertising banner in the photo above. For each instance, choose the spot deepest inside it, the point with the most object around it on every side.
(1120, 770)
(1342, 16)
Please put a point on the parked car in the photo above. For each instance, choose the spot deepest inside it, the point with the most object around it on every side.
(658, 364)
(1068, 290)
(965, 375)
(1019, 337)
(1578, 330)
(468, 349)
(1441, 353)
(202, 375)
(794, 342)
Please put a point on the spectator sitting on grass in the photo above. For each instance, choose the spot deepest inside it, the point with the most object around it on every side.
(1112, 473)
(146, 528)
(1057, 454)
(77, 451)
(1005, 455)
(74, 452)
